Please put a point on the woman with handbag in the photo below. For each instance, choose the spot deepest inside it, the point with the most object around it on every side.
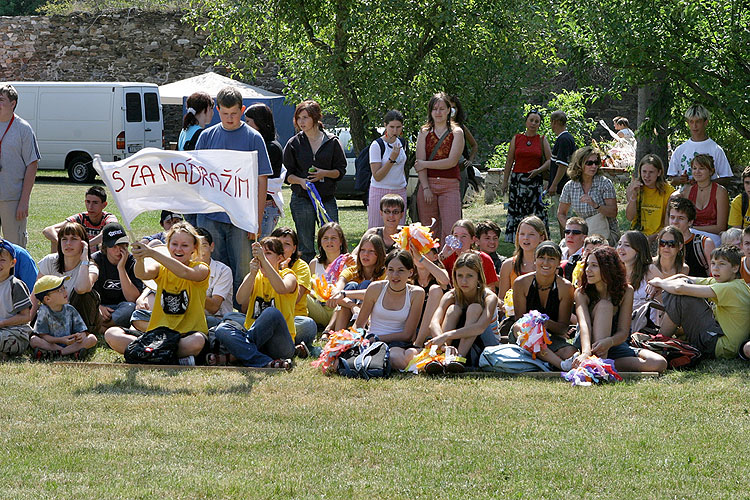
(590, 195)
(526, 155)
(439, 147)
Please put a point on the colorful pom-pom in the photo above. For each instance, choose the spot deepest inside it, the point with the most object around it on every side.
(533, 335)
(415, 236)
(338, 343)
(508, 303)
(592, 370)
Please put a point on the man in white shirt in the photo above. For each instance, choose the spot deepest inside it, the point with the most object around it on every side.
(680, 171)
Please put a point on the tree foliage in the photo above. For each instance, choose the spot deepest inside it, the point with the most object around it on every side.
(19, 7)
(692, 50)
(359, 58)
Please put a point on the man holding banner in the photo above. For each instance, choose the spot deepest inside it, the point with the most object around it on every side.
(231, 243)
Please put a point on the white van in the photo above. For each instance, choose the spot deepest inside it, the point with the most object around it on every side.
(74, 121)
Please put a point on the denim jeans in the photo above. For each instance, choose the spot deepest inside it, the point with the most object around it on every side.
(305, 218)
(231, 247)
(307, 330)
(121, 313)
(266, 340)
(271, 216)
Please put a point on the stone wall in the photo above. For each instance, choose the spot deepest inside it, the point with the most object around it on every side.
(122, 46)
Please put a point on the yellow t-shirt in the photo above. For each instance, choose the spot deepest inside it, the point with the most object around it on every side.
(302, 272)
(350, 275)
(265, 296)
(735, 215)
(732, 312)
(653, 207)
(180, 303)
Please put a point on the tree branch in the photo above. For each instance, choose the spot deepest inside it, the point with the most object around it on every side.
(736, 121)
(317, 42)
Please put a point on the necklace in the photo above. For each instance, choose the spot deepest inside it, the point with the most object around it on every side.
(394, 290)
(544, 288)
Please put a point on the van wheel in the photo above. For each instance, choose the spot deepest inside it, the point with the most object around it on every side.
(80, 168)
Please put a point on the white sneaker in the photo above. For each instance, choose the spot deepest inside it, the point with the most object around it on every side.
(567, 364)
(187, 361)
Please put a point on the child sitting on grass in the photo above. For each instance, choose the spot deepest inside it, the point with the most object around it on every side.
(716, 332)
(59, 329)
(15, 305)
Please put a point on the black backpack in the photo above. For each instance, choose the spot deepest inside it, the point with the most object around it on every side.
(370, 362)
(362, 165)
(155, 347)
(678, 354)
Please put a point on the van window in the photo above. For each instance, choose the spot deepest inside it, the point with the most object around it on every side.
(133, 111)
(151, 103)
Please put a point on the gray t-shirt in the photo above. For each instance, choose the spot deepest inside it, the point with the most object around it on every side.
(19, 149)
(48, 266)
(59, 324)
(14, 297)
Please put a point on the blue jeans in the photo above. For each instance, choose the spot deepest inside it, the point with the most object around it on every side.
(271, 216)
(266, 340)
(307, 330)
(304, 217)
(121, 313)
(231, 247)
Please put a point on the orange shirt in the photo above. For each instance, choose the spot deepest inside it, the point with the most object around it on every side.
(744, 272)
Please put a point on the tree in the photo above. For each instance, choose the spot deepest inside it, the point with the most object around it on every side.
(359, 58)
(19, 7)
(675, 50)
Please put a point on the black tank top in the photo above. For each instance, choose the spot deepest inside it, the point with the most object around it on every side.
(534, 302)
(693, 260)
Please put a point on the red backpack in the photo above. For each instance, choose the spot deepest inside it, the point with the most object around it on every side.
(678, 354)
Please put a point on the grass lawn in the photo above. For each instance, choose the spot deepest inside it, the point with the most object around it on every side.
(81, 432)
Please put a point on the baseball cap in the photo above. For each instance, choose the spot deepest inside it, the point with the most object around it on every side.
(113, 234)
(48, 283)
(166, 215)
(7, 245)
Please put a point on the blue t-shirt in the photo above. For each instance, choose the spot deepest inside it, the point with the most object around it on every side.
(25, 268)
(244, 138)
(59, 324)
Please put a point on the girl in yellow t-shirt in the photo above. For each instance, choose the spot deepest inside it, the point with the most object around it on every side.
(648, 196)
(182, 281)
(269, 294)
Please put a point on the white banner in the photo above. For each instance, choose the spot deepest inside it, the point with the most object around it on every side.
(208, 180)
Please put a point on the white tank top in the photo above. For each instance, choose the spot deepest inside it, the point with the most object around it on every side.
(385, 321)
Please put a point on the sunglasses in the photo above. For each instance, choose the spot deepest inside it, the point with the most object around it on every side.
(668, 243)
(593, 162)
(573, 231)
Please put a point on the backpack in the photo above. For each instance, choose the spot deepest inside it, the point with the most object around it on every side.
(678, 354)
(510, 358)
(697, 243)
(363, 173)
(373, 361)
(155, 347)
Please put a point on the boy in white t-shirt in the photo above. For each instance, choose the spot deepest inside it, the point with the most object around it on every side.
(680, 171)
(219, 293)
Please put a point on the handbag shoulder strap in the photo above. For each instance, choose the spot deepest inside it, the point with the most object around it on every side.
(439, 143)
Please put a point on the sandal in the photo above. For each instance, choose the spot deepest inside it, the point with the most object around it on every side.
(213, 359)
(284, 364)
(434, 368)
(80, 355)
(39, 355)
(301, 350)
(455, 366)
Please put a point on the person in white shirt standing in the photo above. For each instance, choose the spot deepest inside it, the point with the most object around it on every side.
(19, 159)
(680, 171)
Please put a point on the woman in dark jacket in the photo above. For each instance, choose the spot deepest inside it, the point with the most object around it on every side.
(316, 156)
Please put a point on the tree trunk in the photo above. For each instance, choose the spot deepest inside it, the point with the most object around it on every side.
(654, 103)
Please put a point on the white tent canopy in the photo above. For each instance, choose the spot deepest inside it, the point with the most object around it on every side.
(173, 93)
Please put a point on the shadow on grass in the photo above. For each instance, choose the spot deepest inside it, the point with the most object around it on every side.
(712, 368)
(129, 384)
